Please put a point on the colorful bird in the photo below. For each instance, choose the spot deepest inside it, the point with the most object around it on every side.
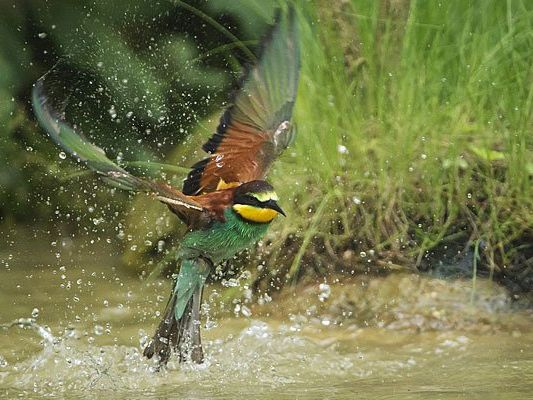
(225, 202)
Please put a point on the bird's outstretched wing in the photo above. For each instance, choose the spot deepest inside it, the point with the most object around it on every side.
(95, 158)
(257, 126)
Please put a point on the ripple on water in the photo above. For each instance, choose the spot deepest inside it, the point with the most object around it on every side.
(264, 359)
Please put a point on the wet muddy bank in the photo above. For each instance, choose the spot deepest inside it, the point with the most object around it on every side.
(398, 301)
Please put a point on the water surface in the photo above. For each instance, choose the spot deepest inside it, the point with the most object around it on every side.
(74, 327)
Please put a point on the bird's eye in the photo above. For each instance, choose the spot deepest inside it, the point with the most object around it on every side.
(252, 200)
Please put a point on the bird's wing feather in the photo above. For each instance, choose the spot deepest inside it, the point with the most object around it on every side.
(256, 127)
(95, 158)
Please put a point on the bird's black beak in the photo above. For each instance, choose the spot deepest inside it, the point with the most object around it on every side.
(274, 206)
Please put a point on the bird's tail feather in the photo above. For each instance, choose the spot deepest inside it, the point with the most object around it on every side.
(179, 330)
(181, 335)
(189, 342)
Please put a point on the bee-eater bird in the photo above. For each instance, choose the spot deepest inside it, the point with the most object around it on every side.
(225, 202)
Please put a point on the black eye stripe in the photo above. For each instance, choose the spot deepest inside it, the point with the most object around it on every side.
(249, 200)
(252, 201)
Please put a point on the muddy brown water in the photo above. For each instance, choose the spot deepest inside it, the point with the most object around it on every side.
(74, 326)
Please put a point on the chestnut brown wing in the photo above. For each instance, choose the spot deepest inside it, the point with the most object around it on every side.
(257, 126)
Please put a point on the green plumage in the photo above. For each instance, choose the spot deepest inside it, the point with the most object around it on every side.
(190, 280)
(219, 242)
(222, 240)
(76, 144)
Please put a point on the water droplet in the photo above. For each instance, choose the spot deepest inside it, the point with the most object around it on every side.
(98, 330)
(246, 311)
(35, 313)
(232, 282)
(62, 155)
(42, 35)
(324, 292)
(362, 254)
(342, 149)
(112, 112)
(210, 324)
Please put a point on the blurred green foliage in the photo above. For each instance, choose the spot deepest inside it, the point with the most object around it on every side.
(133, 76)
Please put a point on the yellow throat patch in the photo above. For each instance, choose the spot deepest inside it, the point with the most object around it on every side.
(255, 214)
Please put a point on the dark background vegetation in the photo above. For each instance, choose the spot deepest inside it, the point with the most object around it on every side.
(414, 151)
(139, 75)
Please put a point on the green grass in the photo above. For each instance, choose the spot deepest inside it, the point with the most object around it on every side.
(414, 133)
(435, 112)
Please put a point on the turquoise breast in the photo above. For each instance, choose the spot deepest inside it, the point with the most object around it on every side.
(222, 240)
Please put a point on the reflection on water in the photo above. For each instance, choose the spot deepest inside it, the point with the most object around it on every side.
(77, 332)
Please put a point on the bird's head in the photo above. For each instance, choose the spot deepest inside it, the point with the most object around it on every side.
(256, 201)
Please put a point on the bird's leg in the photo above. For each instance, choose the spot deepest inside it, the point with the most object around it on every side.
(165, 335)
